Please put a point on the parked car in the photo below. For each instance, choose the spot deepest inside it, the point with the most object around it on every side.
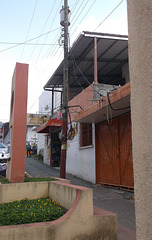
(3, 148)
(4, 154)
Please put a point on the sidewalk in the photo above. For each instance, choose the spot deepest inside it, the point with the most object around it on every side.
(114, 200)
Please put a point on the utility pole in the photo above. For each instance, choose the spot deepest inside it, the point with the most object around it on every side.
(65, 93)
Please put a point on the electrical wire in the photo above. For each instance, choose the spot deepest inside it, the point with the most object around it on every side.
(29, 28)
(75, 73)
(33, 103)
(80, 12)
(115, 109)
(82, 20)
(108, 15)
(39, 44)
(53, 52)
(49, 30)
(77, 11)
(42, 29)
(18, 44)
(89, 83)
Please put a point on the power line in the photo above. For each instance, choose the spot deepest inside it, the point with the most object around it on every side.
(80, 12)
(33, 103)
(49, 29)
(18, 44)
(42, 29)
(29, 27)
(108, 15)
(84, 16)
(53, 50)
(11, 43)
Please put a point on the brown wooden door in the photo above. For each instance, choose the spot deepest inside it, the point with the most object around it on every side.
(114, 164)
(107, 153)
(125, 142)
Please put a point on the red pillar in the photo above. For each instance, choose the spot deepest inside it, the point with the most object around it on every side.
(18, 121)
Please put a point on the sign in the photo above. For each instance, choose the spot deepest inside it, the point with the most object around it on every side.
(36, 119)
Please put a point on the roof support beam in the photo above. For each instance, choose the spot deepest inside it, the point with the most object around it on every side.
(95, 61)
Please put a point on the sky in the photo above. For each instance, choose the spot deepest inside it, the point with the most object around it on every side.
(30, 33)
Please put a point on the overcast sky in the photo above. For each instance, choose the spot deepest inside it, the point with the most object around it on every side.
(21, 21)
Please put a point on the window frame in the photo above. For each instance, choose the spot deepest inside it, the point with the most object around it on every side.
(86, 135)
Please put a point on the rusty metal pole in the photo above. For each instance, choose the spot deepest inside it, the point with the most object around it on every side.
(95, 61)
(65, 94)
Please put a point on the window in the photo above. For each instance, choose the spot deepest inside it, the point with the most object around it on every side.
(85, 134)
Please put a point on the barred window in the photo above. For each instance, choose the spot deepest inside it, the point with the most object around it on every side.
(85, 134)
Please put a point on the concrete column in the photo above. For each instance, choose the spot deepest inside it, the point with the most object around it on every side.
(140, 65)
(17, 124)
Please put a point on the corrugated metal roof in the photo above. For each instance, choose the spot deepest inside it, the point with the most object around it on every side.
(112, 53)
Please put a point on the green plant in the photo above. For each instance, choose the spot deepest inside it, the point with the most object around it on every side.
(4, 180)
(30, 211)
(38, 179)
(38, 157)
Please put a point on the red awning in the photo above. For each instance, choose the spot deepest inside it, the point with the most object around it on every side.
(49, 126)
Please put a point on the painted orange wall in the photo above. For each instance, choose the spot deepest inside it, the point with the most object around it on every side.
(81, 99)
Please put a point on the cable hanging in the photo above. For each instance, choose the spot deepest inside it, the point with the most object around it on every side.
(115, 109)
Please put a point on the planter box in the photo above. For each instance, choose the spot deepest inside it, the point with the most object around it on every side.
(80, 222)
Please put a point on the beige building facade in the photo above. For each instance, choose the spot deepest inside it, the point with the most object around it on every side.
(140, 56)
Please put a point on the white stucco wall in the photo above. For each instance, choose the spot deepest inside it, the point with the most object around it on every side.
(45, 100)
(40, 142)
(31, 136)
(81, 161)
(46, 155)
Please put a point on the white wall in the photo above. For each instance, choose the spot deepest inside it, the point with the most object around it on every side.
(40, 142)
(31, 136)
(45, 99)
(46, 155)
(57, 100)
(81, 162)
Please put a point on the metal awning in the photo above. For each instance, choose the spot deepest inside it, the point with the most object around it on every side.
(112, 54)
(50, 126)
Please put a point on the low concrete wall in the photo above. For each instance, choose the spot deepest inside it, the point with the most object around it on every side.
(79, 223)
(17, 191)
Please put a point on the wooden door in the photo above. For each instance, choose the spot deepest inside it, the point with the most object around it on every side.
(107, 153)
(125, 142)
(114, 165)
